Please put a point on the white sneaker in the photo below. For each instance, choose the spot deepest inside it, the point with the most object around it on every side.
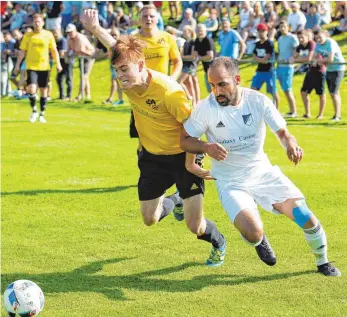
(335, 119)
(291, 115)
(33, 117)
(42, 119)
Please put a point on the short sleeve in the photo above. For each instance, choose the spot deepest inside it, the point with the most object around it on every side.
(210, 45)
(272, 117)
(311, 46)
(197, 124)
(237, 36)
(331, 47)
(64, 45)
(25, 42)
(295, 42)
(51, 43)
(178, 105)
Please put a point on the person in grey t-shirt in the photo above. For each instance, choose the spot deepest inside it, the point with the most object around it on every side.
(287, 44)
(331, 53)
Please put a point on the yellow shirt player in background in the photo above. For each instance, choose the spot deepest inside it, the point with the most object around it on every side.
(161, 48)
(35, 48)
(160, 108)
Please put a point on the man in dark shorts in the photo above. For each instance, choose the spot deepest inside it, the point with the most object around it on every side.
(67, 72)
(35, 48)
(331, 53)
(80, 46)
(160, 107)
(315, 76)
(263, 53)
(204, 50)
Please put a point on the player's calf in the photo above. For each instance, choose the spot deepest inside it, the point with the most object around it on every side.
(314, 233)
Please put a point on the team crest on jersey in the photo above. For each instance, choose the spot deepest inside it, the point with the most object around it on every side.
(152, 104)
(247, 119)
(161, 41)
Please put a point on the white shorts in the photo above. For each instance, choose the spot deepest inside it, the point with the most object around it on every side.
(270, 187)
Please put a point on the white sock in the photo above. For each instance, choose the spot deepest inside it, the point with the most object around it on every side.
(168, 205)
(176, 198)
(317, 241)
(253, 244)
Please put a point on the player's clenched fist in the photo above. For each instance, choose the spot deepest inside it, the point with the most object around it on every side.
(90, 19)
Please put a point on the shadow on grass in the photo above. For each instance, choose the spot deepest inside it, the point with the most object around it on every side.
(15, 121)
(70, 191)
(84, 279)
(88, 105)
(302, 122)
(94, 107)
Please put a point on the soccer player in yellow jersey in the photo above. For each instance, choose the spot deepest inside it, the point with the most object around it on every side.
(161, 48)
(35, 48)
(160, 107)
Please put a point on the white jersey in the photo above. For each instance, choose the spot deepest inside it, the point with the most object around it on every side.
(240, 129)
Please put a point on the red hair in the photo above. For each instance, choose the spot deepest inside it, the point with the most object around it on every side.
(129, 48)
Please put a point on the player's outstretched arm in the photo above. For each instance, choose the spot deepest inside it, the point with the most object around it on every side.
(288, 141)
(90, 20)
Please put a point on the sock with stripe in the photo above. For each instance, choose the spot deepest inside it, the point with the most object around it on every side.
(317, 240)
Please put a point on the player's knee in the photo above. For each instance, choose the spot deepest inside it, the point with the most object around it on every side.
(149, 220)
(253, 233)
(254, 236)
(149, 217)
(195, 226)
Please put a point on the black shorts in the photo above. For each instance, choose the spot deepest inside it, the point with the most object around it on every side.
(159, 172)
(314, 80)
(132, 128)
(38, 77)
(334, 81)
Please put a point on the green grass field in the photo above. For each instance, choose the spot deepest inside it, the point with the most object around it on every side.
(71, 221)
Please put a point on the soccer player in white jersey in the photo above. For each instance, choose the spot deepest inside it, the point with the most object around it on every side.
(234, 120)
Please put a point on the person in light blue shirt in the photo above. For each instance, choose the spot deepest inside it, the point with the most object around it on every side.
(160, 23)
(212, 23)
(230, 41)
(18, 18)
(7, 47)
(331, 53)
(287, 44)
(313, 18)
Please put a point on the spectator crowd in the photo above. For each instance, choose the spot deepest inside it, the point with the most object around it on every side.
(201, 30)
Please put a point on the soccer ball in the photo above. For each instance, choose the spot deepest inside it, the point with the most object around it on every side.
(24, 298)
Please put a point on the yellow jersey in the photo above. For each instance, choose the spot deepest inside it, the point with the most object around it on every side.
(159, 113)
(37, 46)
(160, 50)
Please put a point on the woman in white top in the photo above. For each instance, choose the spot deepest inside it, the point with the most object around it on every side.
(324, 9)
(245, 20)
(256, 18)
